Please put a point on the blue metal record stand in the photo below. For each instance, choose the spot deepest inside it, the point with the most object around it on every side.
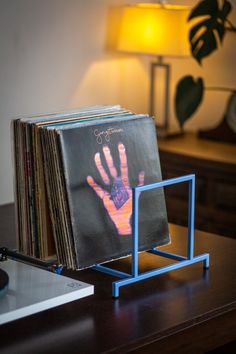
(135, 276)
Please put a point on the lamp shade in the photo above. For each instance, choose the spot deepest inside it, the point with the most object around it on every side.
(154, 29)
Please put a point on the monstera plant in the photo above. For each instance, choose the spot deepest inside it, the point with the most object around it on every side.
(210, 26)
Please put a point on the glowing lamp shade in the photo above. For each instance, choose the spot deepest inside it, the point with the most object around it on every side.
(154, 29)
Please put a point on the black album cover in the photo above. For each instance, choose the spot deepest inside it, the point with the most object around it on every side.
(101, 163)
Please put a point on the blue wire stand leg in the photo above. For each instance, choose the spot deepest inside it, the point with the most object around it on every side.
(135, 276)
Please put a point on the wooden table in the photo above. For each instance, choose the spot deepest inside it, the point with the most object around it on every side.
(215, 167)
(188, 310)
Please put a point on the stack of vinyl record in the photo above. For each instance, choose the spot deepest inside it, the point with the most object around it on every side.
(74, 175)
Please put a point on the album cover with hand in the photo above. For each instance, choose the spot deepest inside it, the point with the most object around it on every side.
(100, 162)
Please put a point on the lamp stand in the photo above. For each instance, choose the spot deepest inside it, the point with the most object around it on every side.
(163, 131)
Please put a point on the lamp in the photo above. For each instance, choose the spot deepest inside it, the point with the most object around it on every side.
(160, 30)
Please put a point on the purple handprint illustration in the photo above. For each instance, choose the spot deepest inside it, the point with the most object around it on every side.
(117, 202)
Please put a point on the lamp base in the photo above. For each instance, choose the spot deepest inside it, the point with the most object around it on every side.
(167, 133)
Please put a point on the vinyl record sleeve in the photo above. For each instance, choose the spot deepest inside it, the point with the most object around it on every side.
(101, 163)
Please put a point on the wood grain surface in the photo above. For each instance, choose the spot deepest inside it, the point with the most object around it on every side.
(188, 310)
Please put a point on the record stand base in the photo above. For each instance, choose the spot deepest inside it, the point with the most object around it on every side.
(135, 276)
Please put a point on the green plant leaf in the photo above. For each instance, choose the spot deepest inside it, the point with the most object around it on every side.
(204, 36)
(189, 94)
(204, 7)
